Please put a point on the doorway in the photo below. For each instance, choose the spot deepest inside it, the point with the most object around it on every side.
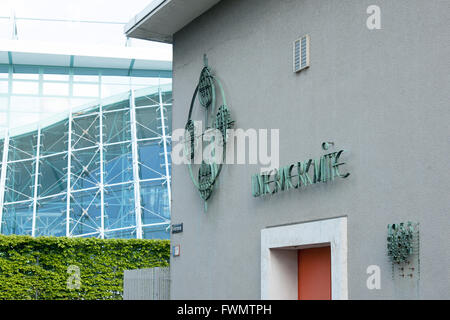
(314, 273)
(291, 269)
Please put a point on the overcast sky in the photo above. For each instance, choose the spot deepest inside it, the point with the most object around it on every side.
(74, 32)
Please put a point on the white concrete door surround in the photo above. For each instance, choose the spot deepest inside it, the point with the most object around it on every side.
(279, 247)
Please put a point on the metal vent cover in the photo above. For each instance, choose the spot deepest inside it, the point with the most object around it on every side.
(301, 53)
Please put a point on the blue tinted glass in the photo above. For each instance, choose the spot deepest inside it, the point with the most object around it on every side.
(154, 202)
(17, 218)
(156, 232)
(51, 217)
(118, 163)
(151, 160)
(19, 183)
(85, 212)
(85, 168)
(119, 207)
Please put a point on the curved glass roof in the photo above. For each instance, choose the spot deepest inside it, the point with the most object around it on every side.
(107, 103)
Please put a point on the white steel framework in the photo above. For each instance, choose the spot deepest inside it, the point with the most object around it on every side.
(103, 171)
(134, 148)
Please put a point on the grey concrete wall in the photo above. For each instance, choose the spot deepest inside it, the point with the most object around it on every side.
(383, 95)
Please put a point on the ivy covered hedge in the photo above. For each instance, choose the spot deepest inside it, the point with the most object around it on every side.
(40, 268)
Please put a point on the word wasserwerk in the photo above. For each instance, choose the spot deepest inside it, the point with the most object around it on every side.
(299, 174)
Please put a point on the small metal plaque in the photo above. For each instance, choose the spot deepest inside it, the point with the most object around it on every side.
(177, 228)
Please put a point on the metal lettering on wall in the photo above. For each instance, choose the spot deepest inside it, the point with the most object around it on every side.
(309, 172)
(220, 121)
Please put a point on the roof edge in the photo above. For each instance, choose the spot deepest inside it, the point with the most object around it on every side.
(145, 14)
(160, 20)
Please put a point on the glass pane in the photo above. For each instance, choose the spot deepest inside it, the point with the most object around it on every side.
(5, 28)
(55, 89)
(124, 104)
(3, 86)
(53, 177)
(119, 207)
(56, 77)
(19, 181)
(121, 234)
(85, 212)
(166, 97)
(26, 76)
(84, 78)
(85, 131)
(85, 169)
(54, 138)
(85, 90)
(155, 203)
(3, 120)
(151, 160)
(55, 105)
(156, 232)
(116, 126)
(148, 100)
(22, 119)
(90, 235)
(25, 104)
(17, 218)
(23, 146)
(51, 217)
(164, 81)
(82, 104)
(144, 81)
(115, 80)
(4, 103)
(148, 123)
(25, 87)
(118, 163)
(109, 90)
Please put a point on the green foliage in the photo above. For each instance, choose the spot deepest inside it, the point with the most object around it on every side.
(37, 268)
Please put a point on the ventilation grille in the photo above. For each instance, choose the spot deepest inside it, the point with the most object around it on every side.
(301, 53)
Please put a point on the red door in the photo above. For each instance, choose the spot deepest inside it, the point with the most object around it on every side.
(314, 274)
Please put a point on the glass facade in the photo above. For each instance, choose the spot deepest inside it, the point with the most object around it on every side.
(102, 170)
(29, 94)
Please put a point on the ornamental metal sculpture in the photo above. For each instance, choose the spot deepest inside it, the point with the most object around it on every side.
(402, 244)
(209, 171)
(400, 241)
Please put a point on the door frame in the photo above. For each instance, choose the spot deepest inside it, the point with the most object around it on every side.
(300, 236)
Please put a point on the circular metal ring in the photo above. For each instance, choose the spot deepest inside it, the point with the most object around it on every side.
(207, 172)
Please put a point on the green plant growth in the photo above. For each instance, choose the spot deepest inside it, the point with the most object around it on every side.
(42, 267)
(400, 242)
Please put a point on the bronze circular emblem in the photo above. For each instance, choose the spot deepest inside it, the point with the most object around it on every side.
(220, 121)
